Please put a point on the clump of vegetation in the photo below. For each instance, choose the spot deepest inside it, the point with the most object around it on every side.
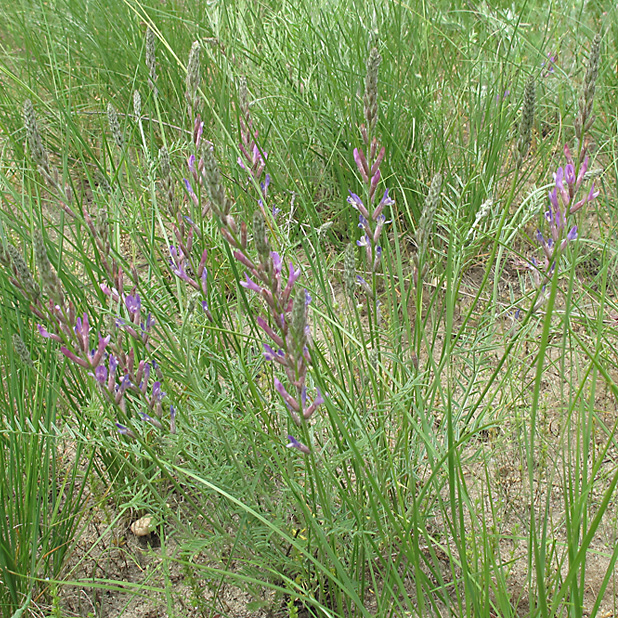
(415, 419)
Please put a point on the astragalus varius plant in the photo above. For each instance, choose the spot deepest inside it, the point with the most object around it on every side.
(345, 442)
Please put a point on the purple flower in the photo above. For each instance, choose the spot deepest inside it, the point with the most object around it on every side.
(363, 224)
(251, 285)
(572, 235)
(172, 419)
(569, 174)
(154, 421)
(294, 443)
(318, 401)
(290, 402)
(361, 164)
(133, 304)
(293, 276)
(385, 201)
(264, 185)
(73, 357)
(45, 333)
(82, 330)
(377, 259)
(357, 203)
(191, 166)
(124, 384)
(271, 355)
(191, 192)
(380, 221)
(157, 393)
(125, 431)
(100, 374)
(591, 196)
(198, 129)
(269, 331)
(150, 322)
(364, 285)
(564, 194)
(277, 262)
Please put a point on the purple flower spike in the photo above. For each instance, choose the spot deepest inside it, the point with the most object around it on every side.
(277, 262)
(361, 164)
(172, 419)
(125, 384)
(269, 331)
(151, 420)
(270, 354)
(294, 443)
(264, 185)
(380, 221)
(72, 357)
(569, 174)
(82, 330)
(96, 357)
(100, 374)
(251, 285)
(133, 304)
(553, 198)
(294, 275)
(287, 398)
(157, 393)
(583, 168)
(45, 333)
(125, 431)
(357, 203)
(191, 192)
(564, 194)
(318, 401)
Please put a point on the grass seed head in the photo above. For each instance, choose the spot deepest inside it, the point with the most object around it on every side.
(21, 350)
(371, 88)
(193, 77)
(49, 278)
(259, 236)
(527, 119)
(151, 61)
(114, 126)
(585, 118)
(24, 276)
(35, 143)
(349, 270)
